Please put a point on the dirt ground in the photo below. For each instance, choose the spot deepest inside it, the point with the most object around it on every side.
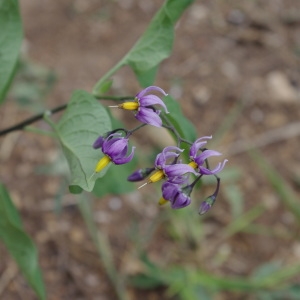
(227, 55)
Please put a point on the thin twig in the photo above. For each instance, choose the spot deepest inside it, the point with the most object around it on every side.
(40, 116)
(31, 120)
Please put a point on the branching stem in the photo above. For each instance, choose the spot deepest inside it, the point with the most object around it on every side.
(33, 119)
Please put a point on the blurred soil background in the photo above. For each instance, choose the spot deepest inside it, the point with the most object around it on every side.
(237, 61)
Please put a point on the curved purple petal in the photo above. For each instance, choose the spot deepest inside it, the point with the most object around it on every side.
(168, 152)
(180, 200)
(149, 89)
(148, 116)
(123, 152)
(108, 144)
(183, 179)
(199, 143)
(216, 170)
(117, 148)
(178, 170)
(172, 148)
(199, 160)
(110, 140)
(124, 160)
(149, 100)
(169, 190)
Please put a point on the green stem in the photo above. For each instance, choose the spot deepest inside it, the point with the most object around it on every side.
(115, 98)
(40, 131)
(107, 76)
(130, 132)
(175, 132)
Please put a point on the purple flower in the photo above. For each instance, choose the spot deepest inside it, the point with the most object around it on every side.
(166, 166)
(179, 197)
(143, 106)
(115, 148)
(199, 159)
(166, 155)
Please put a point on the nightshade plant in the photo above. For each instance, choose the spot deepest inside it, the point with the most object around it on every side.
(91, 145)
(176, 189)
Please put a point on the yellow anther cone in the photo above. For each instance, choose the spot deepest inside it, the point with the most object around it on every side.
(162, 201)
(193, 165)
(102, 163)
(129, 105)
(158, 175)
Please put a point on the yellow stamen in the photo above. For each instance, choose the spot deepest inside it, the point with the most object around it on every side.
(162, 201)
(158, 175)
(102, 163)
(129, 105)
(193, 165)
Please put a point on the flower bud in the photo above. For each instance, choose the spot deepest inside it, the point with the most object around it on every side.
(207, 204)
(99, 142)
(140, 174)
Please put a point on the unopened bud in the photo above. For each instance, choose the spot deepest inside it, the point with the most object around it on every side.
(140, 174)
(99, 142)
(207, 204)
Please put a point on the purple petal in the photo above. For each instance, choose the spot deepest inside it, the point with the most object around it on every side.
(184, 179)
(169, 190)
(216, 170)
(172, 148)
(181, 200)
(199, 160)
(110, 140)
(148, 116)
(199, 143)
(123, 152)
(124, 160)
(149, 89)
(117, 148)
(161, 158)
(152, 100)
(178, 170)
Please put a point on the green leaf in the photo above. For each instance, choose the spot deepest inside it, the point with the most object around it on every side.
(82, 123)
(10, 42)
(146, 78)
(153, 46)
(157, 41)
(19, 244)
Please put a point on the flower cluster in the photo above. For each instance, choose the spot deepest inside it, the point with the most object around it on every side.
(179, 178)
(178, 187)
